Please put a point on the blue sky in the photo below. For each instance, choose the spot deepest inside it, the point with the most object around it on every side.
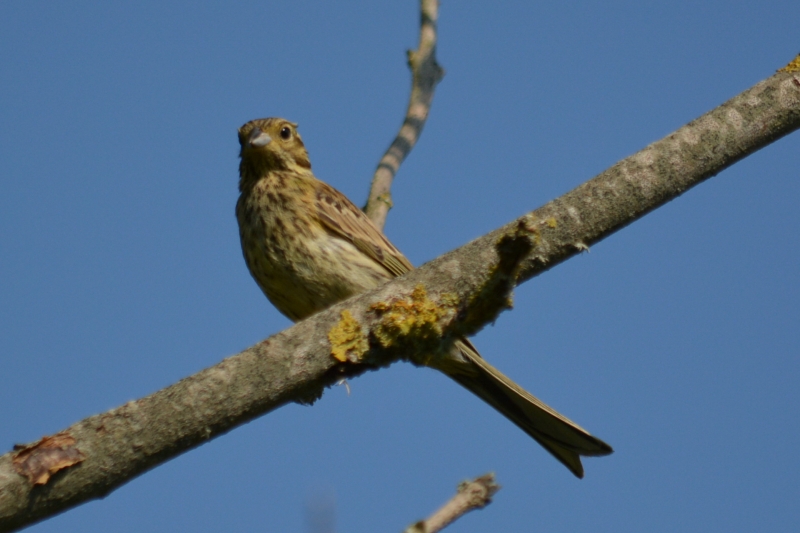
(675, 340)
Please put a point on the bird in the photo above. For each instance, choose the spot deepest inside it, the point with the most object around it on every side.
(308, 247)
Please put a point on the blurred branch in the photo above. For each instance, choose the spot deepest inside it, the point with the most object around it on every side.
(426, 73)
(102, 452)
(471, 495)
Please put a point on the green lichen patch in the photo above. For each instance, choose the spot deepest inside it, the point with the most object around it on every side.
(495, 293)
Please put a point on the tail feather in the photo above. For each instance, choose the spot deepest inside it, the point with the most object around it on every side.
(560, 436)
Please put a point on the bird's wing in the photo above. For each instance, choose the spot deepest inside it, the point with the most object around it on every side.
(346, 221)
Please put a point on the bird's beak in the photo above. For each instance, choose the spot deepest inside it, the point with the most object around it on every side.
(258, 138)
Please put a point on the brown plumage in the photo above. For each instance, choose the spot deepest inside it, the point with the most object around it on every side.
(308, 247)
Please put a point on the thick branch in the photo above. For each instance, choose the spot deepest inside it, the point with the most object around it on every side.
(453, 295)
(666, 169)
(426, 73)
(471, 495)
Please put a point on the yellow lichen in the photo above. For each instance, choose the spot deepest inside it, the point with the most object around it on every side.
(793, 66)
(348, 342)
(416, 318)
(449, 300)
(552, 223)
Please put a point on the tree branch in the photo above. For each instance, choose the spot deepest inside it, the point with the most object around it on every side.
(471, 495)
(413, 317)
(426, 73)
(666, 169)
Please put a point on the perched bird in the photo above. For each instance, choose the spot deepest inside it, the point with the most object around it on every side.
(308, 247)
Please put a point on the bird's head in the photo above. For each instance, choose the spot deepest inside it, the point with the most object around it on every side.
(269, 144)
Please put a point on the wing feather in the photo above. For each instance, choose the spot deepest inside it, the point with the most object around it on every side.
(344, 220)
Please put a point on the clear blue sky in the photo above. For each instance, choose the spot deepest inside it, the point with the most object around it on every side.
(675, 340)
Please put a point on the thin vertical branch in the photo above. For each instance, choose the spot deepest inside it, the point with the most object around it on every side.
(426, 74)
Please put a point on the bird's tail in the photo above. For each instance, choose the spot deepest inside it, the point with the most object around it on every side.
(560, 436)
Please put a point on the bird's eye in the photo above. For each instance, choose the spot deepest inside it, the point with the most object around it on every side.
(286, 132)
